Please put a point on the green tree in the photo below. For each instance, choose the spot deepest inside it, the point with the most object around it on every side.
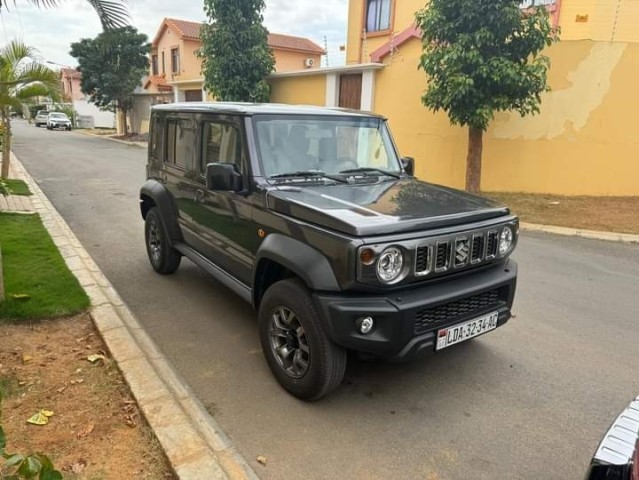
(112, 13)
(482, 57)
(235, 52)
(112, 65)
(21, 78)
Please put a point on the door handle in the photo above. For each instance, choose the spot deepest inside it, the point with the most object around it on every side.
(199, 195)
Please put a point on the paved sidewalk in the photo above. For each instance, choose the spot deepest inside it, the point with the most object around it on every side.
(194, 444)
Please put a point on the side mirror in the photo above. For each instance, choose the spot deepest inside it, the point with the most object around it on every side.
(409, 165)
(224, 177)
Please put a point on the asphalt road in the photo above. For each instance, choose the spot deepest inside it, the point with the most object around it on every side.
(531, 400)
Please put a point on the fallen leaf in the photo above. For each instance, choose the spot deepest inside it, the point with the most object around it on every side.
(20, 296)
(22, 383)
(40, 418)
(26, 358)
(79, 466)
(79, 370)
(87, 431)
(95, 357)
(261, 459)
(61, 389)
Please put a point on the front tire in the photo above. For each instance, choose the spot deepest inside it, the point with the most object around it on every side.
(163, 257)
(297, 349)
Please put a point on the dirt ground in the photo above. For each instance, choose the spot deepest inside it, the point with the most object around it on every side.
(611, 214)
(96, 432)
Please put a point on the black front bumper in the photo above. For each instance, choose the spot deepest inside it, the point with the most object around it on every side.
(407, 321)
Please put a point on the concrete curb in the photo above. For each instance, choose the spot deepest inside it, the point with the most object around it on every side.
(591, 234)
(107, 137)
(195, 445)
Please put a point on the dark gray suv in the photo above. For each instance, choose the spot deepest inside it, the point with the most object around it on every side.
(310, 215)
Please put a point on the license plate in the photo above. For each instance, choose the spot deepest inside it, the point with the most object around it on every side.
(463, 331)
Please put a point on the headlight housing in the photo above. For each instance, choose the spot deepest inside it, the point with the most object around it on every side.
(506, 240)
(390, 266)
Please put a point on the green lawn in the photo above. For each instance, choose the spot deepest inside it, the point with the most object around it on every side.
(18, 187)
(37, 282)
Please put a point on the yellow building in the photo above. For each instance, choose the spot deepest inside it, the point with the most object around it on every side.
(175, 66)
(584, 141)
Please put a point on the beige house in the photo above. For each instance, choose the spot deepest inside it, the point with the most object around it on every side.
(175, 67)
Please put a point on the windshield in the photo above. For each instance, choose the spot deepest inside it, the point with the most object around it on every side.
(60, 116)
(330, 145)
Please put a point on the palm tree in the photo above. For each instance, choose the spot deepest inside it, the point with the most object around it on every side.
(21, 78)
(112, 13)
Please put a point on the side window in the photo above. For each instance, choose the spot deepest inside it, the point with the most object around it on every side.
(222, 143)
(155, 137)
(180, 143)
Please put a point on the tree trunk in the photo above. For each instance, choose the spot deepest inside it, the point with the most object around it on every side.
(124, 122)
(6, 145)
(473, 160)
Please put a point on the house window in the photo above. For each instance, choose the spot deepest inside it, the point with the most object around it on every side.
(175, 60)
(163, 64)
(154, 64)
(378, 15)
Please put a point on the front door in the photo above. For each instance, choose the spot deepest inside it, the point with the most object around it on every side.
(193, 95)
(350, 91)
(225, 220)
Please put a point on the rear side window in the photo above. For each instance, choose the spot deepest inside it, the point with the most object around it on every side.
(222, 143)
(181, 143)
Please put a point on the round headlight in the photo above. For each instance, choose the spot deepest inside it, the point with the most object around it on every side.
(506, 240)
(390, 265)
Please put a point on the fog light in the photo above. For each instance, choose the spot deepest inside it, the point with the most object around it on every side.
(365, 325)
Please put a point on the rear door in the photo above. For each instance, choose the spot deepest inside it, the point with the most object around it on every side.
(181, 172)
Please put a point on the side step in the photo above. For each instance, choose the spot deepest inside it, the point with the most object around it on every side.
(220, 275)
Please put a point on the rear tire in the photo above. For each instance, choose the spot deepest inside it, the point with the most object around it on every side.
(163, 257)
(297, 349)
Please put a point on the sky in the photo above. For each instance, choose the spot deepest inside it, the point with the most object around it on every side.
(52, 30)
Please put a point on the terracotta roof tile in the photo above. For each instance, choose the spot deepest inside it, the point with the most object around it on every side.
(277, 40)
(185, 28)
(159, 81)
(191, 31)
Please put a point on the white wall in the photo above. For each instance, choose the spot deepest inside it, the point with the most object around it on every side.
(101, 119)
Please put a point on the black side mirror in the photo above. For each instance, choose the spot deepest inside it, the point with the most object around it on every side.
(409, 165)
(224, 177)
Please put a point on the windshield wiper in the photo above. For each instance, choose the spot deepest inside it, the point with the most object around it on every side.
(309, 173)
(371, 170)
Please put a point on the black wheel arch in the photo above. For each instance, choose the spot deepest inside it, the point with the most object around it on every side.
(281, 257)
(154, 194)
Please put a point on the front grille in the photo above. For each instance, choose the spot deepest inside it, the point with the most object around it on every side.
(430, 318)
(491, 248)
(477, 252)
(442, 260)
(422, 260)
(444, 255)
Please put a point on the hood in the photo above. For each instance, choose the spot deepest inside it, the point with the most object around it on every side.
(396, 206)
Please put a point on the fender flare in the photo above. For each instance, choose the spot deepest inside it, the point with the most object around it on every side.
(165, 203)
(305, 261)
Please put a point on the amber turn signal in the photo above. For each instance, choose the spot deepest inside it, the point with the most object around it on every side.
(367, 256)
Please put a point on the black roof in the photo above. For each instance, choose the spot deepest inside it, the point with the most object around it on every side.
(258, 108)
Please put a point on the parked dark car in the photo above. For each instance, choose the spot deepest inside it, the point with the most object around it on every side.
(310, 215)
(617, 457)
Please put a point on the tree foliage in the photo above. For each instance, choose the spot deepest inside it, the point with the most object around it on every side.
(22, 77)
(482, 57)
(112, 65)
(112, 13)
(235, 52)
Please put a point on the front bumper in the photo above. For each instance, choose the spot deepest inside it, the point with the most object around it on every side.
(407, 321)
(60, 125)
